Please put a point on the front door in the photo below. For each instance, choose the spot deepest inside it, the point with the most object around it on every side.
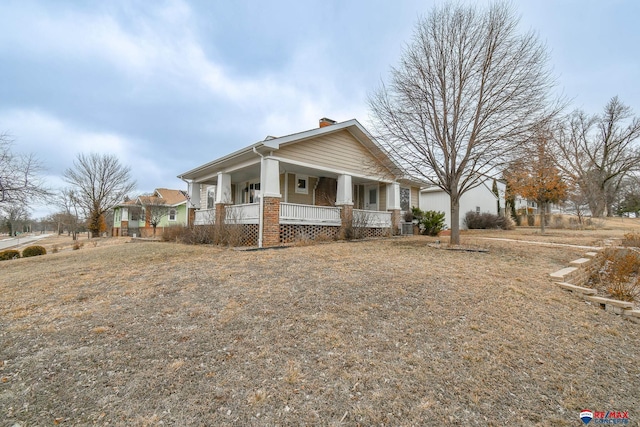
(371, 197)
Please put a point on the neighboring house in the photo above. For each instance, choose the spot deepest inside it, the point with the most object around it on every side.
(524, 206)
(136, 218)
(479, 199)
(314, 183)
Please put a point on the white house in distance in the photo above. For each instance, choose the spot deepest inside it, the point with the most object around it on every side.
(479, 199)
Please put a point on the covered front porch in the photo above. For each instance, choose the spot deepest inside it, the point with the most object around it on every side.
(280, 201)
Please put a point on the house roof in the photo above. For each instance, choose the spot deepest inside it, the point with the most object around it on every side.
(164, 196)
(481, 182)
(271, 144)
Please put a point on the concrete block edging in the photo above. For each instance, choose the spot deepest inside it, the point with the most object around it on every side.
(566, 278)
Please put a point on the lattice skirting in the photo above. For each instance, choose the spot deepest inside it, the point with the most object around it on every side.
(249, 234)
(294, 232)
(376, 232)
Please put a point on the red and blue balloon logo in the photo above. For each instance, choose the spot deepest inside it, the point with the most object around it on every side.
(586, 416)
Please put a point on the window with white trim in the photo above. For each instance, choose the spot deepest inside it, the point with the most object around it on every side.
(172, 214)
(405, 199)
(211, 197)
(302, 184)
(253, 190)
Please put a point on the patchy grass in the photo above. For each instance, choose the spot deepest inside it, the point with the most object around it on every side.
(384, 332)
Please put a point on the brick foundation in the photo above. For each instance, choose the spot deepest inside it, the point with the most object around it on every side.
(220, 213)
(271, 222)
(191, 217)
(395, 222)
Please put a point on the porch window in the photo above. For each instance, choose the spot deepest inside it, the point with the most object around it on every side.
(211, 197)
(172, 214)
(405, 199)
(254, 192)
(373, 196)
(302, 184)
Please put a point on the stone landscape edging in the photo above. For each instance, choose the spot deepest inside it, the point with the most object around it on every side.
(572, 278)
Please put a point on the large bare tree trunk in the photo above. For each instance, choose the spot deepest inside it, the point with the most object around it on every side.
(455, 221)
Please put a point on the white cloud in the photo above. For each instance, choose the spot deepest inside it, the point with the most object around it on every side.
(51, 138)
(56, 144)
(160, 48)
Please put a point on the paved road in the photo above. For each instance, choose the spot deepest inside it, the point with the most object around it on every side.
(15, 241)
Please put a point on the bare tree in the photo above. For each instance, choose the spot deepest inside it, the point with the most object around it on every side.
(599, 151)
(156, 209)
(467, 90)
(19, 176)
(100, 181)
(70, 205)
(16, 216)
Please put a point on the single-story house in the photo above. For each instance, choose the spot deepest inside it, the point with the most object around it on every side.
(479, 199)
(319, 182)
(140, 216)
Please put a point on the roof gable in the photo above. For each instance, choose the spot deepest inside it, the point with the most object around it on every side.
(372, 153)
(337, 150)
(160, 196)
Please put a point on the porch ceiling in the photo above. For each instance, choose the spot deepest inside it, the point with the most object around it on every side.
(252, 173)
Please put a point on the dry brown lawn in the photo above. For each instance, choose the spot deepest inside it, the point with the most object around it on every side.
(390, 332)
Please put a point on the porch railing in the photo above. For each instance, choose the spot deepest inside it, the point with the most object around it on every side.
(242, 214)
(371, 219)
(291, 213)
(205, 216)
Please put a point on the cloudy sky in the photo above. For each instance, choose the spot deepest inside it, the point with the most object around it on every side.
(169, 85)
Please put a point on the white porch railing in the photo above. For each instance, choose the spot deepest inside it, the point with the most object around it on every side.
(242, 214)
(205, 216)
(291, 213)
(371, 219)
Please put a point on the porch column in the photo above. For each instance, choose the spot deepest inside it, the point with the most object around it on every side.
(193, 190)
(270, 202)
(344, 195)
(193, 193)
(223, 197)
(393, 206)
(344, 199)
(223, 189)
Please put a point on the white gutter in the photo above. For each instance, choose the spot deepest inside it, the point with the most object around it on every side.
(261, 211)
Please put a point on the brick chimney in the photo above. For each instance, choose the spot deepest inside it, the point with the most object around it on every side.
(326, 122)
